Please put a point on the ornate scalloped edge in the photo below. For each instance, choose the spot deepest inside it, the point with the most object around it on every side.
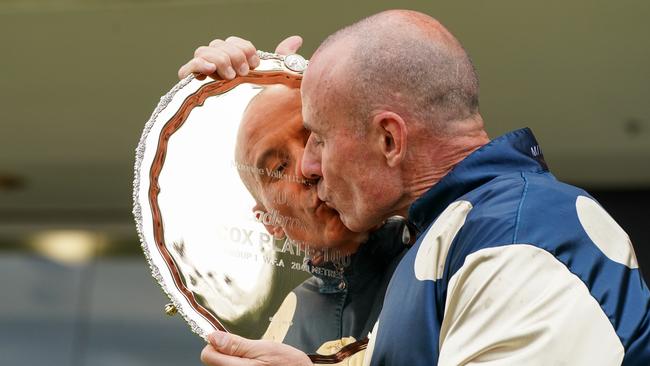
(137, 209)
(137, 215)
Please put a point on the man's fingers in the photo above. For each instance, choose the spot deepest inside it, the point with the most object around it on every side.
(247, 48)
(225, 55)
(230, 349)
(212, 357)
(216, 42)
(196, 65)
(238, 58)
(289, 46)
(232, 344)
(226, 58)
(222, 58)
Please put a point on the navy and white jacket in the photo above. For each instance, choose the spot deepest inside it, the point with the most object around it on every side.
(513, 268)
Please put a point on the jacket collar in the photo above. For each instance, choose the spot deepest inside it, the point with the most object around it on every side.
(517, 151)
(373, 257)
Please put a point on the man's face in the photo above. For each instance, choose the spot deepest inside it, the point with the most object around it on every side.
(272, 139)
(347, 170)
(353, 177)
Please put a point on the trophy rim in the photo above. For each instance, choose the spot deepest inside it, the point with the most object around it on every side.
(273, 70)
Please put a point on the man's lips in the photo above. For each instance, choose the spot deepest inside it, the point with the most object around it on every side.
(325, 202)
(319, 205)
(315, 202)
(321, 195)
(319, 198)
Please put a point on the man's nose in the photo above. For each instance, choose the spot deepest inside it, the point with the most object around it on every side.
(311, 166)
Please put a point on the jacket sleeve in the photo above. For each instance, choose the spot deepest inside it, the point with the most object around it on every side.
(518, 305)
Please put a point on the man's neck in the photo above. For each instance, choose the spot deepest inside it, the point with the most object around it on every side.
(434, 158)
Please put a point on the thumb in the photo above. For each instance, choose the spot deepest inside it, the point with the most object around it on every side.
(229, 344)
(289, 46)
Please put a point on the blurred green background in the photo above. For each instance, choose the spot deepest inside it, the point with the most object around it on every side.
(78, 80)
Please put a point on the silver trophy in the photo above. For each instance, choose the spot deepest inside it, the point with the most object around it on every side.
(228, 224)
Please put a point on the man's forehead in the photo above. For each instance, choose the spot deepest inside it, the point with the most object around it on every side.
(268, 110)
(274, 97)
(308, 115)
(323, 73)
(313, 119)
(320, 109)
(273, 103)
(319, 101)
(323, 82)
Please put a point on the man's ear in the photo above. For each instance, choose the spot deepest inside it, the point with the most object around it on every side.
(276, 231)
(392, 136)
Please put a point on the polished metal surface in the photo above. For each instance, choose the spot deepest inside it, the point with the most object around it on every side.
(228, 224)
(212, 255)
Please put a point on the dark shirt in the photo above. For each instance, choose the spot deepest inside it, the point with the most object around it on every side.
(331, 307)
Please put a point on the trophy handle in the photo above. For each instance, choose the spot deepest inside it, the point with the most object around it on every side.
(341, 355)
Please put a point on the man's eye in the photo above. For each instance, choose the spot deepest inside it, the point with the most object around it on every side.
(281, 167)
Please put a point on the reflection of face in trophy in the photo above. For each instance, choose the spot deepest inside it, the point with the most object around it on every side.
(223, 259)
(217, 258)
(270, 144)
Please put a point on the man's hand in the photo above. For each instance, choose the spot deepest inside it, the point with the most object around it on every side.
(232, 57)
(231, 350)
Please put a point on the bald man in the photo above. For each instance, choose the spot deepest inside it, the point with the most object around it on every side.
(341, 302)
(271, 139)
(512, 266)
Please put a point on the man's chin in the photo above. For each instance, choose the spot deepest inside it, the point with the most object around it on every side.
(346, 242)
(351, 224)
(331, 254)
